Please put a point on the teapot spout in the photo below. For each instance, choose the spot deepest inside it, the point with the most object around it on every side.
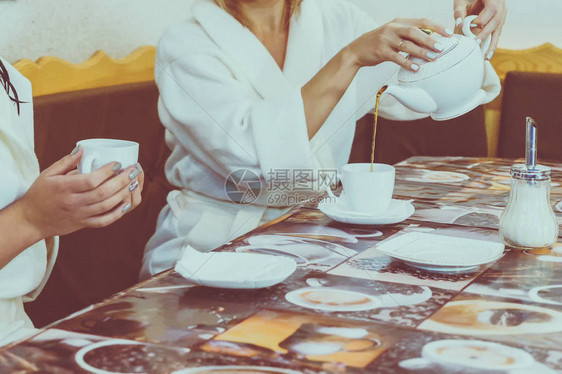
(413, 98)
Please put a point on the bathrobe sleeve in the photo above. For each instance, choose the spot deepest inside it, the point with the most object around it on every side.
(26, 274)
(220, 120)
(389, 107)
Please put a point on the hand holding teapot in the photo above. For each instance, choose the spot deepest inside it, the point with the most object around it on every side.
(453, 84)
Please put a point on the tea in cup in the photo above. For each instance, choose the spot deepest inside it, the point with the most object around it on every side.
(366, 191)
(100, 152)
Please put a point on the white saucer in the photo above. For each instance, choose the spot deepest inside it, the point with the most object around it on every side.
(234, 270)
(398, 211)
(441, 253)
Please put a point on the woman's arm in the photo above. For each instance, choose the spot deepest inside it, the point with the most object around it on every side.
(60, 202)
(322, 93)
(216, 118)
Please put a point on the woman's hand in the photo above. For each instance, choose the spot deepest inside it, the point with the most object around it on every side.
(399, 35)
(491, 18)
(61, 201)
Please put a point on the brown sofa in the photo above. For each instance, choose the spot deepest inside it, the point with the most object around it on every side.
(94, 264)
(537, 95)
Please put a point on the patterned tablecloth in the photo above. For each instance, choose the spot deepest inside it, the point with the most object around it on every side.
(347, 308)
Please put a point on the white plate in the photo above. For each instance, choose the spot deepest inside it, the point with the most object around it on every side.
(332, 299)
(398, 211)
(443, 269)
(431, 250)
(234, 270)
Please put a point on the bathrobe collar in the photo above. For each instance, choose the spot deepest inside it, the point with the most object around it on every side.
(304, 56)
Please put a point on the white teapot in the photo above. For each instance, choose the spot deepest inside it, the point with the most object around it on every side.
(455, 83)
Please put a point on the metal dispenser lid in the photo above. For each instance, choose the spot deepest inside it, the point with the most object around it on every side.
(538, 173)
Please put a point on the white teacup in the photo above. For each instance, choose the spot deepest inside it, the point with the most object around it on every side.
(99, 152)
(366, 191)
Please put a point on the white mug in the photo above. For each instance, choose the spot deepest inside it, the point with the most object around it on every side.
(99, 152)
(366, 191)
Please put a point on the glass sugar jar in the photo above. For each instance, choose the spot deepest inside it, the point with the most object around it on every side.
(528, 220)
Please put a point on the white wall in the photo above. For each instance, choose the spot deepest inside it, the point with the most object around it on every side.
(74, 29)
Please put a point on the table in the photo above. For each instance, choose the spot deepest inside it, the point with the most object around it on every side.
(505, 313)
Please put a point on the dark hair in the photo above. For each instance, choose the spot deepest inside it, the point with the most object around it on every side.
(8, 86)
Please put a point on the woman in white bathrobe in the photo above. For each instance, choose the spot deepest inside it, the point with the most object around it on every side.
(34, 207)
(270, 89)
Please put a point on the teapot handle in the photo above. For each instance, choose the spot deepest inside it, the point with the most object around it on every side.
(468, 32)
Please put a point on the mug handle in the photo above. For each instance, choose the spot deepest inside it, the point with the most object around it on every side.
(329, 190)
(87, 164)
(468, 32)
(330, 193)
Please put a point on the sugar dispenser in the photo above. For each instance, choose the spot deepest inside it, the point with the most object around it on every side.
(528, 220)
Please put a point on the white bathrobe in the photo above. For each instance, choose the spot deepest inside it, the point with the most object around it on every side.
(227, 105)
(24, 277)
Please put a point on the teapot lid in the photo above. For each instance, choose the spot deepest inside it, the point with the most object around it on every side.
(456, 48)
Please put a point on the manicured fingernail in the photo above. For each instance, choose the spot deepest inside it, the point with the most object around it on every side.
(449, 31)
(133, 186)
(117, 167)
(473, 25)
(75, 150)
(478, 41)
(133, 174)
(458, 22)
(414, 67)
(439, 47)
(489, 55)
(432, 55)
(126, 208)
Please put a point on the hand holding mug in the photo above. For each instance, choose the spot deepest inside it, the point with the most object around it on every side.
(99, 152)
(61, 201)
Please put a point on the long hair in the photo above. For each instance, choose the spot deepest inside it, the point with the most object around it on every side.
(8, 86)
(231, 7)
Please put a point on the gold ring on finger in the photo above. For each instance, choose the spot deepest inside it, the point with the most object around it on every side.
(401, 44)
